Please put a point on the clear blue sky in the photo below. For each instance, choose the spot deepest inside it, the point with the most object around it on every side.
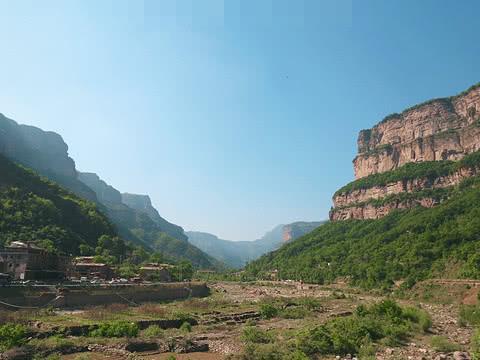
(234, 115)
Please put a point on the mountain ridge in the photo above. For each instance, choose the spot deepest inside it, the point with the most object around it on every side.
(46, 153)
(238, 253)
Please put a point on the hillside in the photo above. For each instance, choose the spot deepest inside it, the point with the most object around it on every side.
(407, 245)
(237, 253)
(46, 153)
(35, 209)
(138, 225)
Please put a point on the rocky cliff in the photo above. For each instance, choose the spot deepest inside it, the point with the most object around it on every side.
(43, 151)
(440, 129)
(46, 153)
(143, 204)
(414, 158)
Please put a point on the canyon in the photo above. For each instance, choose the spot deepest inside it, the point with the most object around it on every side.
(438, 132)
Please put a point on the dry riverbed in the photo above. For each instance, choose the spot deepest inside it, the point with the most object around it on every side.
(219, 320)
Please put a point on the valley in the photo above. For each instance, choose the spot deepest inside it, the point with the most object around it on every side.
(238, 319)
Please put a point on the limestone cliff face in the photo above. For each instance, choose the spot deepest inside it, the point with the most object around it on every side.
(438, 130)
(441, 129)
(360, 203)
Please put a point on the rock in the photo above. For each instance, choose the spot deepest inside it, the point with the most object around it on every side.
(460, 355)
(441, 129)
(140, 346)
(19, 353)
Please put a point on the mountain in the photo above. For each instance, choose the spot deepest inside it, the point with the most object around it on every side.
(412, 213)
(43, 151)
(145, 224)
(412, 158)
(35, 209)
(237, 253)
(143, 204)
(47, 153)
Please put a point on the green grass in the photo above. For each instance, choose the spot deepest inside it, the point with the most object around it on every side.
(442, 344)
(255, 335)
(469, 314)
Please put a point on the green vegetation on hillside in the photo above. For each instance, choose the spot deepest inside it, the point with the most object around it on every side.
(34, 209)
(427, 169)
(405, 245)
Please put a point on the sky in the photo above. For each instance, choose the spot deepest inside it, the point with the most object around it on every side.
(233, 115)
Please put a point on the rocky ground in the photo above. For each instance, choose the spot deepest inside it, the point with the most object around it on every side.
(221, 323)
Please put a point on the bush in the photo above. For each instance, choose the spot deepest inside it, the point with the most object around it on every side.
(294, 313)
(252, 334)
(12, 335)
(153, 331)
(268, 311)
(442, 344)
(186, 327)
(271, 352)
(115, 329)
(419, 316)
(385, 321)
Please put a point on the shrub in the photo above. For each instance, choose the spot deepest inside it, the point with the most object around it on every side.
(153, 331)
(294, 313)
(271, 352)
(419, 316)
(441, 343)
(310, 303)
(115, 329)
(385, 321)
(268, 311)
(186, 327)
(12, 335)
(469, 314)
(252, 334)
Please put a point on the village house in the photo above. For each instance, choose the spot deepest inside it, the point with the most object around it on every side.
(26, 261)
(85, 266)
(156, 272)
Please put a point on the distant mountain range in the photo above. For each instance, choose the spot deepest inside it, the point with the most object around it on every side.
(237, 253)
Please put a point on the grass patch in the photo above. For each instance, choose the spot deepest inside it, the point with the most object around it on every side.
(255, 335)
(442, 344)
(153, 331)
(469, 315)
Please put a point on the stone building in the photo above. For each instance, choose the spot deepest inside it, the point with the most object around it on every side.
(86, 267)
(26, 261)
(156, 272)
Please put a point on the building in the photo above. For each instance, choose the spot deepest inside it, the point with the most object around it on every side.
(26, 261)
(85, 266)
(156, 272)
